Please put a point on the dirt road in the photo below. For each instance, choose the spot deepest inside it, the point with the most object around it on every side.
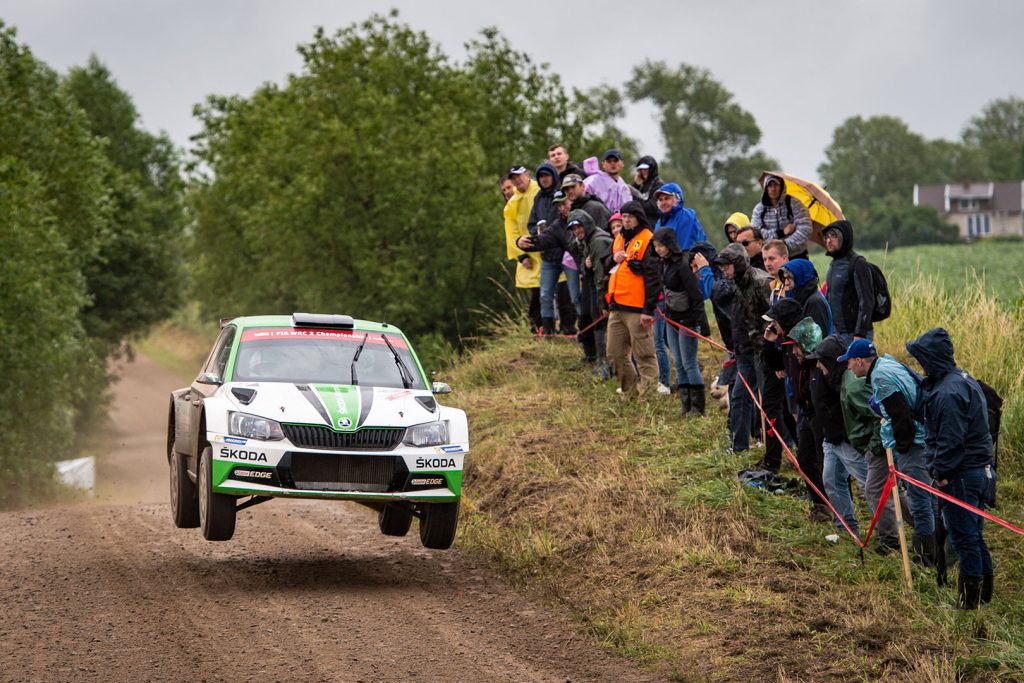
(306, 591)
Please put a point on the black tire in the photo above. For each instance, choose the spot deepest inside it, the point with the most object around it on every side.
(184, 501)
(394, 520)
(216, 510)
(439, 524)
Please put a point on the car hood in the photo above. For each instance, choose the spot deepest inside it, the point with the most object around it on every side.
(342, 407)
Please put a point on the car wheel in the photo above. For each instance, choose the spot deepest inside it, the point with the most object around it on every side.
(438, 525)
(184, 502)
(394, 520)
(216, 510)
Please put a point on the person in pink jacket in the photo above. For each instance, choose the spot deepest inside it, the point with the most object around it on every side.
(606, 184)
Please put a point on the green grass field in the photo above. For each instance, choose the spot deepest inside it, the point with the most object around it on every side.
(997, 265)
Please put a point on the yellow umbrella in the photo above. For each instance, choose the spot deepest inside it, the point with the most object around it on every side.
(820, 205)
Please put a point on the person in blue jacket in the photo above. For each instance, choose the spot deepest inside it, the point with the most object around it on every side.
(958, 445)
(673, 214)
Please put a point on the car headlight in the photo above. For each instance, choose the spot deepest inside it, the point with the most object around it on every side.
(254, 427)
(429, 434)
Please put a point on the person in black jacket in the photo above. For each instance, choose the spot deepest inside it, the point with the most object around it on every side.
(592, 248)
(684, 304)
(850, 288)
(646, 182)
(958, 445)
(543, 216)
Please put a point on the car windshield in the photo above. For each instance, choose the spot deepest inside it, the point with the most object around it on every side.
(322, 356)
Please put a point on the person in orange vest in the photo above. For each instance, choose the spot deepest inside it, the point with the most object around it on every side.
(633, 288)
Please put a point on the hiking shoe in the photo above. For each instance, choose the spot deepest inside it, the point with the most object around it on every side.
(820, 513)
(662, 389)
(887, 547)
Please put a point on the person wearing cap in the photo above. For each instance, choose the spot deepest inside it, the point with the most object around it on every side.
(552, 240)
(646, 181)
(841, 459)
(751, 302)
(592, 247)
(607, 185)
(634, 285)
(862, 431)
(673, 214)
(684, 305)
(850, 286)
(958, 444)
(576, 191)
(895, 390)
(801, 341)
(779, 216)
(750, 238)
(559, 158)
(517, 216)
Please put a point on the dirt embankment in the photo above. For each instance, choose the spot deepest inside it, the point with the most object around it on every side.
(110, 590)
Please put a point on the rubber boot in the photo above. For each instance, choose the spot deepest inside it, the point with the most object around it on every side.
(684, 400)
(968, 592)
(697, 399)
(924, 550)
(986, 588)
(548, 326)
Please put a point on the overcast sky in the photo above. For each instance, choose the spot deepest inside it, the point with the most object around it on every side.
(801, 67)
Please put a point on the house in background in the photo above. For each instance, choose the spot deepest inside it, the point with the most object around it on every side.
(978, 209)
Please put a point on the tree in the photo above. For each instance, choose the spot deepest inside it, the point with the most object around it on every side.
(999, 133)
(134, 281)
(871, 158)
(711, 141)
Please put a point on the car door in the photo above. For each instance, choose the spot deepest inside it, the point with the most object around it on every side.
(189, 402)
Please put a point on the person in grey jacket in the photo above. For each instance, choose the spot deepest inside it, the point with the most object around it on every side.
(780, 217)
(850, 288)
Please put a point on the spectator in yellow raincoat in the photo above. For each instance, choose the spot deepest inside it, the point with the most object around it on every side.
(517, 216)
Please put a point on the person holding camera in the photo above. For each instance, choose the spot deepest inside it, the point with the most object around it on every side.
(684, 304)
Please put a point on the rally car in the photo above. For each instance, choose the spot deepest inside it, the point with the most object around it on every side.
(315, 406)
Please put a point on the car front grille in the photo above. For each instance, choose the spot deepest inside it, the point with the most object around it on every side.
(313, 436)
(340, 472)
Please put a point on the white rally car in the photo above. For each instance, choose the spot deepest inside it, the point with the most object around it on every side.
(315, 406)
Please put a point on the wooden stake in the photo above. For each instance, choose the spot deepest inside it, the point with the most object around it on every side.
(899, 524)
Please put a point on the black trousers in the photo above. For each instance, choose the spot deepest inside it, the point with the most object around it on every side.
(810, 455)
(533, 312)
(566, 311)
(589, 312)
(773, 398)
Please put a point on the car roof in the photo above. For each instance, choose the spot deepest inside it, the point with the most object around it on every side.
(244, 322)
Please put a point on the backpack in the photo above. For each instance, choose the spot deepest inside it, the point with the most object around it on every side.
(882, 308)
(994, 403)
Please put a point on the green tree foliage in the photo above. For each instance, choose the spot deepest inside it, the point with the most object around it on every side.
(894, 221)
(134, 281)
(365, 184)
(711, 140)
(999, 133)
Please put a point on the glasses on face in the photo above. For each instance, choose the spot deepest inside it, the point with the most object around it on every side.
(747, 243)
(786, 277)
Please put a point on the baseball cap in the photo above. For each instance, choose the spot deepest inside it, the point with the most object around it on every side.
(641, 167)
(558, 197)
(860, 348)
(571, 179)
(574, 221)
(612, 153)
(772, 179)
(515, 170)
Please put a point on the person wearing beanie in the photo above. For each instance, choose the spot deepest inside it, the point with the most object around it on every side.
(634, 285)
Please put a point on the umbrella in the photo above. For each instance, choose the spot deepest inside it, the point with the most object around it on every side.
(820, 205)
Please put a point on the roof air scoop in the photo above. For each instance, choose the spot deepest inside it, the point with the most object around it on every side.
(343, 322)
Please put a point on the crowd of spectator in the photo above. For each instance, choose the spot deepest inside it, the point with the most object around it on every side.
(627, 268)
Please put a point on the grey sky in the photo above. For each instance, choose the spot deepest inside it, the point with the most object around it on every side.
(801, 67)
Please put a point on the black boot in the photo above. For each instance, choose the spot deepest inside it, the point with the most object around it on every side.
(548, 326)
(697, 399)
(968, 592)
(924, 550)
(986, 588)
(684, 400)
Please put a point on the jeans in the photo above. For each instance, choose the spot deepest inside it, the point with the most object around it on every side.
(549, 274)
(741, 407)
(727, 375)
(912, 463)
(841, 462)
(684, 351)
(658, 330)
(966, 528)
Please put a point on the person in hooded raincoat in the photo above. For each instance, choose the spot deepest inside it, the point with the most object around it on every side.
(645, 182)
(849, 285)
(780, 217)
(684, 305)
(517, 216)
(959, 452)
(806, 336)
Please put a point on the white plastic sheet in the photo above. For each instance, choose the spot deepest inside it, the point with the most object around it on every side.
(79, 473)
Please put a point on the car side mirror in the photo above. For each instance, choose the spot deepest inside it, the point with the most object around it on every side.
(440, 388)
(209, 378)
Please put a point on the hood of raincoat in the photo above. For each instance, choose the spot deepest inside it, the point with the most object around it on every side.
(934, 351)
(667, 237)
(828, 352)
(550, 170)
(673, 189)
(636, 209)
(585, 218)
(806, 334)
(765, 199)
(787, 312)
(740, 220)
(736, 254)
(845, 229)
(802, 271)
